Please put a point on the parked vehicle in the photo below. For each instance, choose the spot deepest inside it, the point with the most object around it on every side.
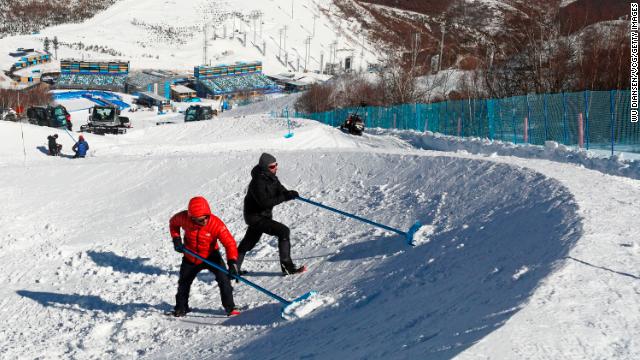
(354, 124)
(106, 119)
(198, 113)
(8, 114)
(52, 116)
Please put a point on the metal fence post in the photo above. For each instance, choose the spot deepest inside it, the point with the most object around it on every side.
(461, 118)
(612, 96)
(426, 119)
(544, 105)
(513, 119)
(526, 122)
(439, 118)
(565, 133)
(446, 117)
(580, 131)
(586, 115)
(490, 115)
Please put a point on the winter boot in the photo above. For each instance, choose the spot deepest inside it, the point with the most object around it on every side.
(232, 312)
(179, 312)
(290, 269)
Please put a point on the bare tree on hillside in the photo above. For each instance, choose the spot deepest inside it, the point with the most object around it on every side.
(318, 98)
(398, 80)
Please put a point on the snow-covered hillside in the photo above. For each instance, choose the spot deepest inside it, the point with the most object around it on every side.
(170, 35)
(521, 258)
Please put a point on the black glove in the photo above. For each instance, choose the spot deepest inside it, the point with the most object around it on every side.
(233, 269)
(177, 244)
(290, 195)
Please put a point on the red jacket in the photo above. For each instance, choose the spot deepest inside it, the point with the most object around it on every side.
(202, 239)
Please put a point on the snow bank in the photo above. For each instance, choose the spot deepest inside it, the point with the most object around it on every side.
(614, 165)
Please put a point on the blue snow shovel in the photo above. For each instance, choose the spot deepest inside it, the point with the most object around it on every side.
(289, 133)
(286, 304)
(408, 234)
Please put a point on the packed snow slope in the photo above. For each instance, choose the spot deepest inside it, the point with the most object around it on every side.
(521, 258)
(171, 35)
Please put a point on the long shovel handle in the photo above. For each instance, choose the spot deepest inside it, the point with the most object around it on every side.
(352, 216)
(238, 277)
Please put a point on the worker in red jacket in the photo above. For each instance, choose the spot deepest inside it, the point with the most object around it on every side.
(202, 230)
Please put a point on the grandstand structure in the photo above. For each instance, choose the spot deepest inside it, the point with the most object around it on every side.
(28, 66)
(241, 79)
(29, 57)
(93, 75)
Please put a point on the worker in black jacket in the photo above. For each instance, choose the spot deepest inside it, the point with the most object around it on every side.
(54, 147)
(265, 191)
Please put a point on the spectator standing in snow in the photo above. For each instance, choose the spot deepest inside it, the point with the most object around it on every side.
(265, 191)
(202, 230)
(54, 147)
(80, 148)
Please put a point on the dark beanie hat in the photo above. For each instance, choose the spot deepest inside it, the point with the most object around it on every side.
(265, 160)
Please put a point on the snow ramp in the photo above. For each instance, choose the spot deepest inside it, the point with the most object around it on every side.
(498, 231)
(89, 268)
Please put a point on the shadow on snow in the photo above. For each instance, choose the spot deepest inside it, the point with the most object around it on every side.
(82, 303)
(126, 265)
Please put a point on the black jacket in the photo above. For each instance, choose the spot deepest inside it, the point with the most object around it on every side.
(265, 192)
(53, 145)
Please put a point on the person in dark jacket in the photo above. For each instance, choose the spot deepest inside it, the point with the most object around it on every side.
(202, 231)
(54, 147)
(80, 148)
(265, 192)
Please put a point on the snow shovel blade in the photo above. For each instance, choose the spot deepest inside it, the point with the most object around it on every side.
(288, 135)
(412, 232)
(300, 306)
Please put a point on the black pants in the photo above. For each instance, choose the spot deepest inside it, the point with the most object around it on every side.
(188, 272)
(55, 150)
(270, 227)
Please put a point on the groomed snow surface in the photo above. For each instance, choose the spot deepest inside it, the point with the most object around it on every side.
(520, 259)
(170, 35)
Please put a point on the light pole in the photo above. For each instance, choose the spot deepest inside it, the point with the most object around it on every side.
(233, 33)
(335, 51)
(307, 47)
(285, 38)
(314, 25)
(280, 46)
